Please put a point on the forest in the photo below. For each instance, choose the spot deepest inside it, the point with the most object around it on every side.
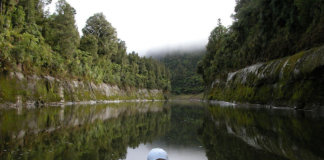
(184, 76)
(263, 30)
(33, 41)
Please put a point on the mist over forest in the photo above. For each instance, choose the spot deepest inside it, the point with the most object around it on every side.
(182, 64)
(187, 48)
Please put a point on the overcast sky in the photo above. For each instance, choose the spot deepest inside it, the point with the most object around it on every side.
(148, 25)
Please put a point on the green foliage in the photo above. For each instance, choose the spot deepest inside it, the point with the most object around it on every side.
(98, 26)
(89, 43)
(184, 78)
(62, 33)
(121, 53)
(295, 81)
(18, 18)
(34, 42)
(263, 30)
(214, 59)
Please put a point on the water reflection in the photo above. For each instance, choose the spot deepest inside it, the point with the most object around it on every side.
(255, 133)
(190, 131)
(80, 132)
(174, 152)
(181, 141)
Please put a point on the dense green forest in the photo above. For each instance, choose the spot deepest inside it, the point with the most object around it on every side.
(183, 67)
(262, 30)
(33, 41)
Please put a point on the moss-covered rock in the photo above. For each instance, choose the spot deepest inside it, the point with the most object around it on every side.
(295, 81)
(35, 90)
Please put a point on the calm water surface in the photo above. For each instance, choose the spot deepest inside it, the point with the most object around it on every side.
(186, 130)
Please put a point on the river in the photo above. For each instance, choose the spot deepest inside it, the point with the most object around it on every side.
(186, 130)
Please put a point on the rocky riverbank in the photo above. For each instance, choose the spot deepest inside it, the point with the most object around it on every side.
(294, 81)
(17, 89)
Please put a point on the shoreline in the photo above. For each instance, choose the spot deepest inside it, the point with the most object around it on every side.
(34, 104)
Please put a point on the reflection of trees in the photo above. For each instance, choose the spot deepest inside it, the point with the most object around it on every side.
(233, 133)
(186, 119)
(84, 132)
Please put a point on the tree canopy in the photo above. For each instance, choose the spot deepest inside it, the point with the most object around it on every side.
(99, 27)
(263, 30)
(33, 41)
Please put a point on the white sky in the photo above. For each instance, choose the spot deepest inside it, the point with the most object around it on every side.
(153, 24)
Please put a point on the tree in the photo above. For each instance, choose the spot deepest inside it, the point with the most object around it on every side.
(262, 30)
(35, 42)
(63, 34)
(18, 18)
(184, 79)
(121, 53)
(89, 43)
(98, 26)
(216, 36)
(210, 63)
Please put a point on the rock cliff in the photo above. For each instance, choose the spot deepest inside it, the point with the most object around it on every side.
(31, 90)
(295, 81)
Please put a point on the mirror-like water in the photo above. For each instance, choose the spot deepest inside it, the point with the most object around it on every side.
(190, 131)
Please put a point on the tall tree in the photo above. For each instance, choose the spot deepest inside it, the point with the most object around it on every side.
(89, 43)
(98, 26)
(263, 30)
(63, 34)
(121, 53)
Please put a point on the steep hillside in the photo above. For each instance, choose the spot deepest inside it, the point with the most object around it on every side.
(183, 71)
(271, 54)
(35, 43)
(296, 81)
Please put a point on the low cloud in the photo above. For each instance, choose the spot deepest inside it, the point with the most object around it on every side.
(185, 48)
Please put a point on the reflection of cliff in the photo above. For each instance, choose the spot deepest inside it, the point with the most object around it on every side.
(83, 132)
(232, 133)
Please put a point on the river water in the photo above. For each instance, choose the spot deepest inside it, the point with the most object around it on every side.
(186, 130)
